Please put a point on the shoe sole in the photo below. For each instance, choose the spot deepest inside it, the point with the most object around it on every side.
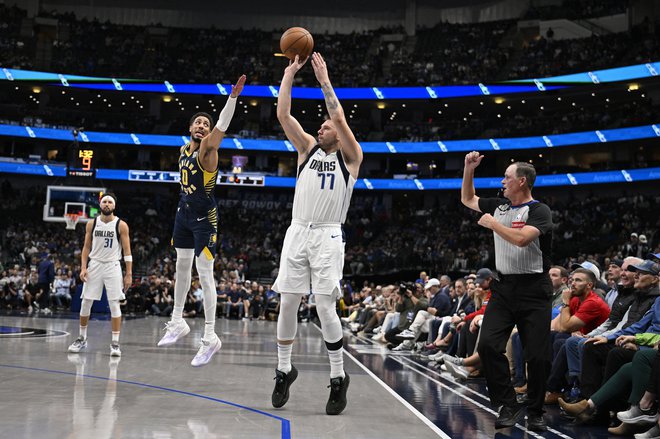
(215, 350)
(183, 334)
(293, 375)
(641, 418)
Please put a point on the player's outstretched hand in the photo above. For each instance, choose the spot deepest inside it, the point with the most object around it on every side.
(320, 68)
(295, 65)
(238, 88)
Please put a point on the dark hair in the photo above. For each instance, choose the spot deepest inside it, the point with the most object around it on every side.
(460, 280)
(201, 113)
(562, 271)
(590, 274)
(108, 194)
(526, 170)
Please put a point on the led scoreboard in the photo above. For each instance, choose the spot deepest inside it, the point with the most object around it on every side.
(82, 164)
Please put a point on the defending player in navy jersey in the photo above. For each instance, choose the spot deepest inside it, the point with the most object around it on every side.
(196, 224)
(106, 239)
(313, 250)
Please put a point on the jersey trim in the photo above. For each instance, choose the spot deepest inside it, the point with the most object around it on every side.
(342, 166)
(311, 153)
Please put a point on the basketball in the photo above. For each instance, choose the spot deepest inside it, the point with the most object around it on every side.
(296, 41)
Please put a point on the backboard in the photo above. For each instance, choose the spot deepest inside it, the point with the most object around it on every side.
(72, 199)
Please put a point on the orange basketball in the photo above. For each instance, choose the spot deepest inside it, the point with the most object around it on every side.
(296, 41)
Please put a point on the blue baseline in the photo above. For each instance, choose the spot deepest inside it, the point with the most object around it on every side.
(441, 146)
(538, 85)
(286, 424)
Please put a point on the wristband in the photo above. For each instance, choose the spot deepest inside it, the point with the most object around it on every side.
(128, 258)
(226, 114)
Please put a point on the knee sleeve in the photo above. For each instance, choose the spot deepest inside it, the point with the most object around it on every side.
(115, 310)
(86, 307)
(184, 262)
(205, 271)
(330, 323)
(287, 321)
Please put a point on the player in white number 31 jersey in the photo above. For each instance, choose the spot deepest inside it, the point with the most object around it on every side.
(106, 239)
(313, 250)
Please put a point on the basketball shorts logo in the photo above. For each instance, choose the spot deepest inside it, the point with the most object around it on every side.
(212, 240)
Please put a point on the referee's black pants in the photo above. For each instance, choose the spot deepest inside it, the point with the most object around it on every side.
(522, 300)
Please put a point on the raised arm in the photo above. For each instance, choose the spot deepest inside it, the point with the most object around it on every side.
(208, 148)
(468, 195)
(350, 147)
(302, 141)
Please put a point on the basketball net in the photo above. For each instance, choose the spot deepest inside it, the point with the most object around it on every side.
(71, 220)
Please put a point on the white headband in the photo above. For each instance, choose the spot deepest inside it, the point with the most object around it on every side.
(108, 196)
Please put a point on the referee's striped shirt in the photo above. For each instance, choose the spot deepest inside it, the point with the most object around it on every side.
(509, 258)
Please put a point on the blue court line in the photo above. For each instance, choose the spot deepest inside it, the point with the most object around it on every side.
(286, 425)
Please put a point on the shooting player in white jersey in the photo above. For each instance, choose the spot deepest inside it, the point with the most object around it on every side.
(313, 250)
(106, 238)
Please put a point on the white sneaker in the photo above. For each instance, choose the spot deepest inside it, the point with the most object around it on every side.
(438, 357)
(377, 329)
(406, 334)
(453, 360)
(114, 350)
(206, 351)
(403, 347)
(174, 331)
(635, 415)
(653, 433)
(457, 371)
(78, 345)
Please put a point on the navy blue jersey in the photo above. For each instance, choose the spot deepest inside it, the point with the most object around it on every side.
(197, 184)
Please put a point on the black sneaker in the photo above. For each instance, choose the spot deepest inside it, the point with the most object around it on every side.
(509, 415)
(536, 423)
(337, 400)
(282, 383)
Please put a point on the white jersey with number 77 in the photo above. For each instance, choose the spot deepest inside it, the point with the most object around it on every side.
(323, 188)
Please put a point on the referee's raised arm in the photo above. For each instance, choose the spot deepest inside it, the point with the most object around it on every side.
(468, 196)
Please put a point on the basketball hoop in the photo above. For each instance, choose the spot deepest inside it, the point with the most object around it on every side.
(71, 220)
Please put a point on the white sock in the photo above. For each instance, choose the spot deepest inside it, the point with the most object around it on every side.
(209, 331)
(337, 363)
(83, 332)
(284, 357)
(115, 337)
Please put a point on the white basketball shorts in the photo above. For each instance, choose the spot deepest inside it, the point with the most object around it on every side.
(312, 258)
(100, 274)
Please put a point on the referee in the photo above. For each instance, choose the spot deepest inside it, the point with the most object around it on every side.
(522, 228)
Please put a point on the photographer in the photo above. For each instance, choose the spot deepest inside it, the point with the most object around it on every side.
(410, 299)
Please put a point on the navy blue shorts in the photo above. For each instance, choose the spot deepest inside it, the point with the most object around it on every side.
(195, 230)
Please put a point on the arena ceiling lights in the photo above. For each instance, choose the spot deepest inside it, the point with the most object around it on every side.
(628, 73)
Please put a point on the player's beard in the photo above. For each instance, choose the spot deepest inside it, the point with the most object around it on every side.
(107, 211)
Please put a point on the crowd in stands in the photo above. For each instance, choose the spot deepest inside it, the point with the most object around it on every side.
(605, 333)
(441, 55)
(548, 57)
(379, 241)
(576, 9)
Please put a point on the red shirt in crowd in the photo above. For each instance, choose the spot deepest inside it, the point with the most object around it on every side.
(592, 311)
